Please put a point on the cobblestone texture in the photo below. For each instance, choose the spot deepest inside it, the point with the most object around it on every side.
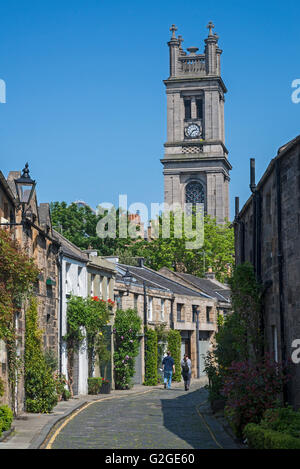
(157, 419)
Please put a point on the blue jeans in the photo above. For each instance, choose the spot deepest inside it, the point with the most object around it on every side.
(168, 378)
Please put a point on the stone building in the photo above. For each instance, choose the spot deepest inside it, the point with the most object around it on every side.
(7, 215)
(33, 231)
(101, 282)
(209, 285)
(196, 166)
(267, 234)
(72, 279)
(160, 300)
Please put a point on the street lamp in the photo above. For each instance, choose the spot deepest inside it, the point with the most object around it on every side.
(25, 187)
(127, 279)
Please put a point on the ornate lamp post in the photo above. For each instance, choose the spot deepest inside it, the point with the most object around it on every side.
(25, 188)
(127, 279)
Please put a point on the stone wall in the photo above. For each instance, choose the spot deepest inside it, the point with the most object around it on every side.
(279, 191)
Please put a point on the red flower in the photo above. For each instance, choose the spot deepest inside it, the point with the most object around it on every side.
(95, 298)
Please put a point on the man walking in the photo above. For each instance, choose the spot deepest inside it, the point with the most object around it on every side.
(169, 369)
(186, 371)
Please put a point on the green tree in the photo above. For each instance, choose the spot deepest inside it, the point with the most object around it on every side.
(79, 225)
(217, 251)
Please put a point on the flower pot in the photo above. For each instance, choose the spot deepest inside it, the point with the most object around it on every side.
(105, 388)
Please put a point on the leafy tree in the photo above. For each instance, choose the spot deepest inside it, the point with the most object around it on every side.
(79, 225)
(174, 345)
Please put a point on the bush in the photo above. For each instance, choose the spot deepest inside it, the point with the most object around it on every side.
(40, 388)
(94, 385)
(261, 438)
(126, 329)
(282, 419)
(151, 378)
(6, 418)
(251, 389)
(174, 345)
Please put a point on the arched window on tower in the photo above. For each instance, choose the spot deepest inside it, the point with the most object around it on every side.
(194, 193)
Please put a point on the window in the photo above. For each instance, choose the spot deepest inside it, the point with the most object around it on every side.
(118, 301)
(107, 288)
(100, 286)
(187, 109)
(194, 193)
(179, 312)
(79, 279)
(68, 279)
(150, 308)
(162, 310)
(199, 107)
(208, 313)
(194, 309)
(93, 284)
(136, 297)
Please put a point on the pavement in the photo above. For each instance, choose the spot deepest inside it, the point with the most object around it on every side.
(142, 417)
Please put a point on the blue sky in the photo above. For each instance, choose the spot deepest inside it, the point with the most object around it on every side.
(86, 101)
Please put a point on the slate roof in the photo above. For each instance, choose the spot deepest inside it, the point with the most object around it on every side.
(157, 280)
(69, 249)
(208, 286)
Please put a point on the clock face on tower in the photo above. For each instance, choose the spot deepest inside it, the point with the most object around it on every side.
(192, 131)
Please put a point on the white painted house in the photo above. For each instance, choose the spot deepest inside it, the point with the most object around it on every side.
(73, 280)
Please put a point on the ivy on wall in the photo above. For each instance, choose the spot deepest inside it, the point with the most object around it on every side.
(86, 319)
(127, 327)
(17, 274)
(40, 388)
(151, 377)
(174, 345)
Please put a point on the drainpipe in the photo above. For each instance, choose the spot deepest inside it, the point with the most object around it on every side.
(60, 310)
(256, 235)
(241, 227)
(280, 270)
(172, 312)
(197, 343)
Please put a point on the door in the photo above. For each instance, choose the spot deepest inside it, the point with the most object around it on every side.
(204, 344)
(137, 377)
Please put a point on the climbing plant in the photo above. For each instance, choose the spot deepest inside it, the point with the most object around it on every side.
(17, 274)
(40, 388)
(127, 327)
(86, 319)
(174, 345)
(151, 377)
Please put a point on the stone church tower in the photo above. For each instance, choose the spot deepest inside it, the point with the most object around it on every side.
(196, 168)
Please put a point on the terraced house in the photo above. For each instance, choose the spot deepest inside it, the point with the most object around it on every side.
(161, 300)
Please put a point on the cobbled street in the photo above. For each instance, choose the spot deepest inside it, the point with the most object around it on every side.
(162, 419)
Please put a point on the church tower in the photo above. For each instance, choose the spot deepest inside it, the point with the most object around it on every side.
(196, 167)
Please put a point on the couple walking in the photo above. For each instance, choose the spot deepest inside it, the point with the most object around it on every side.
(169, 369)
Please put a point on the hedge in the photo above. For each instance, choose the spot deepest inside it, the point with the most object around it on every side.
(151, 378)
(174, 345)
(6, 418)
(260, 438)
